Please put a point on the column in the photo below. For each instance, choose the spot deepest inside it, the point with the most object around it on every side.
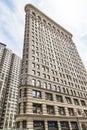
(46, 125)
(59, 126)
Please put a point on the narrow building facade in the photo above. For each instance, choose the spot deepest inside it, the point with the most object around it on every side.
(10, 65)
(53, 81)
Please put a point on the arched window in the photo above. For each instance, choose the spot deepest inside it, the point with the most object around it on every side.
(39, 18)
(33, 14)
(44, 85)
(33, 82)
(38, 83)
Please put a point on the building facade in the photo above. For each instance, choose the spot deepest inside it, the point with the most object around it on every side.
(9, 81)
(53, 81)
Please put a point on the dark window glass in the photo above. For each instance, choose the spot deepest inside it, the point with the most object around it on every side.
(24, 124)
(48, 96)
(18, 124)
(74, 126)
(52, 125)
(68, 99)
(38, 125)
(83, 103)
(71, 111)
(76, 101)
(50, 109)
(64, 125)
(25, 92)
(61, 110)
(24, 107)
(59, 98)
(37, 108)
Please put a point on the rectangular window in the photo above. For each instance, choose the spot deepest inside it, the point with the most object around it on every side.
(18, 124)
(52, 125)
(61, 110)
(24, 107)
(83, 103)
(74, 126)
(19, 108)
(85, 111)
(48, 96)
(59, 98)
(71, 111)
(76, 101)
(64, 125)
(24, 124)
(38, 125)
(37, 108)
(36, 94)
(25, 92)
(68, 99)
(50, 109)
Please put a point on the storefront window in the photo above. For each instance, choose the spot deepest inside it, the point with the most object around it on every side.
(74, 126)
(64, 125)
(52, 125)
(38, 125)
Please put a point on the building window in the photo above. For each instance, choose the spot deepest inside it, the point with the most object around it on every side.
(24, 107)
(44, 85)
(33, 65)
(85, 111)
(50, 109)
(36, 94)
(52, 125)
(38, 73)
(49, 86)
(79, 111)
(48, 77)
(48, 96)
(68, 99)
(71, 111)
(37, 108)
(33, 72)
(33, 58)
(25, 92)
(38, 66)
(38, 83)
(76, 101)
(20, 93)
(83, 103)
(59, 98)
(74, 126)
(38, 125)
(58, 89)
(33, 82)
(18, 124)
(24, 124)
(61, 110)
(54, 87)
(19, 108)
(64, 125)
(44, 75)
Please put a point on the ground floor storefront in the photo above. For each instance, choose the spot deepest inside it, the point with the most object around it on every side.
(51, 123)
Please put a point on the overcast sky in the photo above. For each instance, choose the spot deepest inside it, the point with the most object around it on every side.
(71, 14)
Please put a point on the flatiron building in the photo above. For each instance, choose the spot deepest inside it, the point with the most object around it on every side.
(53, 81)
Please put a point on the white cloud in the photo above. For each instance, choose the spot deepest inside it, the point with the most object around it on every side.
(71, 14)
